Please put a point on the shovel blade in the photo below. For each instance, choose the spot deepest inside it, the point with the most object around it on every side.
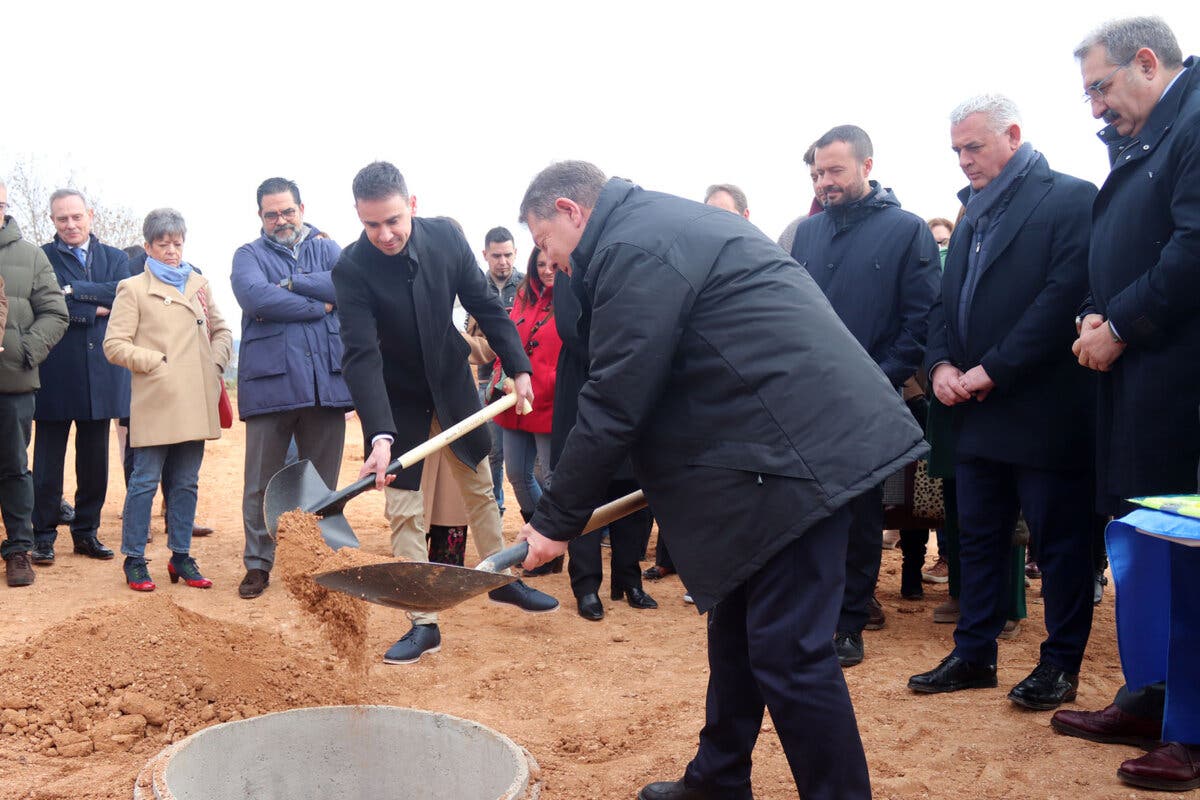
(412, 585)
(299, 486)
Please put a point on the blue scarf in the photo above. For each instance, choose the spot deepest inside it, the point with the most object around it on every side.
(174, 276)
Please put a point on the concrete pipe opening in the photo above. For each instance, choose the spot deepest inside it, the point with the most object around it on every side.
(365, 752)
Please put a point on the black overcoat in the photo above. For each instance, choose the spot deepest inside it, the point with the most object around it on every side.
(77, 380)
(1021, 324)
(1144, 272)
(749, 410)
(366, 285)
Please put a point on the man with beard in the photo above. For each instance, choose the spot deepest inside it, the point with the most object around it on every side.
(878, 265)
(289, 362)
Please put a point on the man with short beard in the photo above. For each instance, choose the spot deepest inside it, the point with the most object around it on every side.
(289, 362)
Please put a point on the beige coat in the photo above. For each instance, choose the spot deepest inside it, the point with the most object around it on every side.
(161, 337)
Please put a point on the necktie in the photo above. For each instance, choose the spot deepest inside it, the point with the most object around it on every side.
(80, 255)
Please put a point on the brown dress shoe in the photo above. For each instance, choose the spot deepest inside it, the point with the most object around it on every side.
(200, 530)
(1173, 767)
(254, 584)
(18, 570)
(1110, 726)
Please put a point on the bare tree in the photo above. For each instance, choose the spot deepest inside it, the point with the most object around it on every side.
(29, 204)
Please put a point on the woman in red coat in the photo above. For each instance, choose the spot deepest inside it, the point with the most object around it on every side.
(527, 436)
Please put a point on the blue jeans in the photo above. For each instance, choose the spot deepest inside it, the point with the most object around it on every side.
(522, 451)
(177, 466)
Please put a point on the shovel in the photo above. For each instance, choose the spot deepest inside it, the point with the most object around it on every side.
(299, 485)
(423, 586)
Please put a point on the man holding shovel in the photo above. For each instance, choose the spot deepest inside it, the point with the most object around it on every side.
(752, 417)
(406, 366)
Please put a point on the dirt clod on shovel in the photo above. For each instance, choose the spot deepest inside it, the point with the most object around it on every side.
(301, 553)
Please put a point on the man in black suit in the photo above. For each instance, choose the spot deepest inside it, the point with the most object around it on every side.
(406, 365)
(1000, 355)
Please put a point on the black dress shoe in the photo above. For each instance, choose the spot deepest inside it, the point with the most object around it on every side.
(91, 547)
(590, 607)
(672, 790)
(42, 554)
(637, 597)
(1046, 688)
(952, 675)
(849, 648)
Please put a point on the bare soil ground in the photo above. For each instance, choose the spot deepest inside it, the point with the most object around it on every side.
(95, 678)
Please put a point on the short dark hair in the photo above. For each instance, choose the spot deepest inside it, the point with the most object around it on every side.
(810, 155)
(578, 181)
(379, 180)
(497, 235)
(277, 186)
(852, 135)
(739, 197)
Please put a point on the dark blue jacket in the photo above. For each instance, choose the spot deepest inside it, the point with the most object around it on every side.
(879, 267)
(1021, 323)
(1144, 273)
(77, 380)
(290, 354)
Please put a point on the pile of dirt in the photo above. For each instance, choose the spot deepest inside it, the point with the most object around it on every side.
(301, 553)
(109, 678)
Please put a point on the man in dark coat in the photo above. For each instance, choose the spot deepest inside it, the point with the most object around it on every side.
(999, 349)
(752, 418)
(1140, 330)
(878, 265)
(406, 366)
(79, 386)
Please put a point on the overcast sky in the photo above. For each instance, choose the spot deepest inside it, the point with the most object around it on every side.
(192, 105)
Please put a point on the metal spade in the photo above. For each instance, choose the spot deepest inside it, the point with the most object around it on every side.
(423, 586)
(299, 485)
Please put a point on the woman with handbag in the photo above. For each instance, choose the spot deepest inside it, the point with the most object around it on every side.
(165, 328)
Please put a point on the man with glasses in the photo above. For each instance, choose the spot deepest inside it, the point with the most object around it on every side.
(289, 362)
(1140, 331)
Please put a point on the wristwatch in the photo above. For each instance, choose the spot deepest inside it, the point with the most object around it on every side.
(67, 289)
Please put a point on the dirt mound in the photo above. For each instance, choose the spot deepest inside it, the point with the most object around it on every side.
(110, 677)
(302, 553)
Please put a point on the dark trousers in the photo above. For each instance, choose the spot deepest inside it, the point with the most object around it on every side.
(586, 565)
(91, 475)
(770, 644)
(864, 552)
(1057, 505)
(662, 556)
(16, 484)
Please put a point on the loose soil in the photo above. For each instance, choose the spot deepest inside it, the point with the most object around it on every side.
(95, 678)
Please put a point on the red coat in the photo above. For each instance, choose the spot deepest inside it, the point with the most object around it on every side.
(539, 335)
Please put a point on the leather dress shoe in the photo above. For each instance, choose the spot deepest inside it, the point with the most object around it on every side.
(952, 675)
(849, 648)
(1109, 726)
(672, 790)
(875, 616)
(637, 598)
(590, 607)
(200, 530)
(254, 583)
(1047, 687)
(1173, 767)
(42, 553)
(91, 547)
(656, 573)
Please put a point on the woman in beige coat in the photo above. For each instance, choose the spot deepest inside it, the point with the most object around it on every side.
(166, 330)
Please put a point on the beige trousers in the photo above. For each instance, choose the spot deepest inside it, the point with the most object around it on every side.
(406, 516)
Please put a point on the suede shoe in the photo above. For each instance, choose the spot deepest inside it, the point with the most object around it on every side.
(18, 571)
(419, 640)
(1109, 726)
(947, 612)
(875, 616)
(590, 607)
(523, 597)
(849, 648)
(201, 530)
(673, 790)
(1173, 767)
(952, 675)
(42, 554)
(1046, 688)
(254, 584)
(88, 545)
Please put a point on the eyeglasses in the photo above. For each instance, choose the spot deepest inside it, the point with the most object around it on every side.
(1098, 90)
(287, 213)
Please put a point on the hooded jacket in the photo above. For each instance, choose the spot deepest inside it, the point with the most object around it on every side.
(749, 411)
(37, 312)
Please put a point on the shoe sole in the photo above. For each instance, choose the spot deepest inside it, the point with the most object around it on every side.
(96, 556)
(958, 687)
(874, 626)
(249, 596)
(434, 649)
(19, 584)
(933, 578)
(1099, 738)
(1162, 786)
(1036, 706)
(42, 562)
(526, 610)
(846, 664)
(945, 619)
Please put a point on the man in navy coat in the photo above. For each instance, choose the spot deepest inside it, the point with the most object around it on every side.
(999, 352)
(79, 386)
